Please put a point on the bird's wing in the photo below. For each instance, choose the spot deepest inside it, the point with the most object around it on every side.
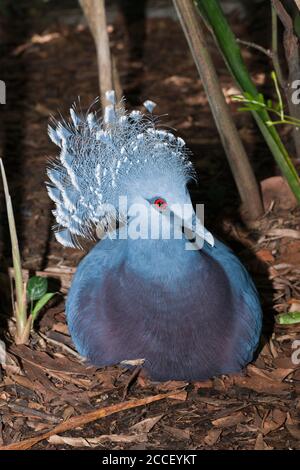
(243, 288)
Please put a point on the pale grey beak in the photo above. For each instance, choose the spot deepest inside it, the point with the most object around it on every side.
(190, 221)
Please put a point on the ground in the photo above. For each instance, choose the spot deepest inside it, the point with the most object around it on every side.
(49, 61)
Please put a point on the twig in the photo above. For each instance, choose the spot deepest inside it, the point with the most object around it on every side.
(23, 410)
(61, 345)
(253, 45)
(81, 420)
(133, 376)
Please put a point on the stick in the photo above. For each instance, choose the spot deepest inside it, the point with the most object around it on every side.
(81, 420)
(253, 45)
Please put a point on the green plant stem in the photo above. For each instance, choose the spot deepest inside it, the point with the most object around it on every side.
(227, 43)
(284, 118)
(40, 304)
(20, 313)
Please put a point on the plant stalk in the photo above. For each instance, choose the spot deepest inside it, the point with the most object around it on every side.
(237, 157)
(20, 310)
(95, 14)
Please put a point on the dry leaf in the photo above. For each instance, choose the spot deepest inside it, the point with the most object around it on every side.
(81, 420)
(260, 444)
(273, 421)
(95, 441)
(68, 412)
(241, 428)
(45, 362)
(293, 427)
(295, 306)
(263, 381)
(284, 232)
(133, 362)
(276, 374)
(212, 436)
(228, 421)
(61, 328)
(171, 385)
(145, 425)
(181, 434)
(37, 426)
(276, 189)
(180, 395)
(265, 256)
(203, 384)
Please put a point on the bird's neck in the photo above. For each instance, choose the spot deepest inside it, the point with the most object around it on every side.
(165, 258)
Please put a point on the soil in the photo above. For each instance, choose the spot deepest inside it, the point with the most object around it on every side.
(48, 61)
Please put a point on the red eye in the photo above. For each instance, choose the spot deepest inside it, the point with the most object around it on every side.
(160, 203)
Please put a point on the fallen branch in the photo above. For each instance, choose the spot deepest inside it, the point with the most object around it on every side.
(81, 420)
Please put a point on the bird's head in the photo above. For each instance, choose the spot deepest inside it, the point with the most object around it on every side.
(158, 204)
(124, 168)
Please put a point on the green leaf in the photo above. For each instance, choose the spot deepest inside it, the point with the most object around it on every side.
(249, 96)
(40, 304)
(36, 287)
(260, 98)
(288, 318)
(237, 98)
(244, 109)
(270, 104)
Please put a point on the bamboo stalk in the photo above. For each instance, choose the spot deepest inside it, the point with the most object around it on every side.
(237, 157)
(225, 39)
(95, 14)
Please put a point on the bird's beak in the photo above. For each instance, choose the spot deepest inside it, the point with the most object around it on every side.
(193, 227)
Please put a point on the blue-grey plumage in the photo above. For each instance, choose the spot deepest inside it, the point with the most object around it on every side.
(190, 314)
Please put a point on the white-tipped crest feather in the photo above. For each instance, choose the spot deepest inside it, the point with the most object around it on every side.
(96, 160)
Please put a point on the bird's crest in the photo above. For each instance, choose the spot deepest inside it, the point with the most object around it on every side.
(97, 157)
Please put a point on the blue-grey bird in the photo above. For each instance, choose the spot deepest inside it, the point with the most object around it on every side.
(144, 291)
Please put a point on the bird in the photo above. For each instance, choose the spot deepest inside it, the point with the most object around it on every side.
(157, 288)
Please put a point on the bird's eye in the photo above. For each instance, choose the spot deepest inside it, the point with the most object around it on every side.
(160, 203)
